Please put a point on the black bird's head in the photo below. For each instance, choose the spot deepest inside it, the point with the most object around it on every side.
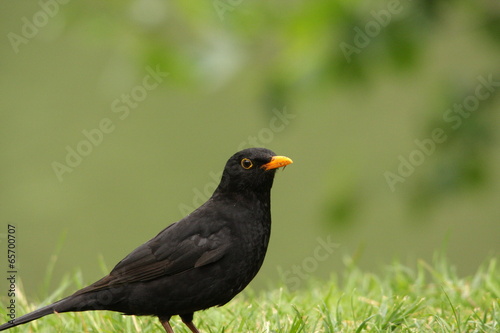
(251, 169)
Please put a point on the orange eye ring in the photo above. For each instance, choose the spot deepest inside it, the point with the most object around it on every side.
(246, 163)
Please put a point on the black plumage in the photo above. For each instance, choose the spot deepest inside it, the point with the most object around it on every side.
(201, 261)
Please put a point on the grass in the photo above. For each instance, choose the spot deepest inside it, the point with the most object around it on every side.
(430, 298)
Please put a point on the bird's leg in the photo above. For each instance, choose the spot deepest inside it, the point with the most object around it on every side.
(191, 326)
(188, 320)
(165, 324)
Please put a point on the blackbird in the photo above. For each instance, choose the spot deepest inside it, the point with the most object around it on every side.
(203, 260)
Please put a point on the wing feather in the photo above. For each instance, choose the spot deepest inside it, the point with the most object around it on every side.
(172, 251)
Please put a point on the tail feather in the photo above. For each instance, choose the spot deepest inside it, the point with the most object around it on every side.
(79, 301)
(70, 303)
(46, 310)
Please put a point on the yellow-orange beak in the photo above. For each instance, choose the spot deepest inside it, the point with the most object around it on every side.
(277, 162)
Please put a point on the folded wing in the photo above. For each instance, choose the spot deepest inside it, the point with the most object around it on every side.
(173, 251)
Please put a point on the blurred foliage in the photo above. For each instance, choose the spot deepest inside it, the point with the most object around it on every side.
(461, 164)
(297, 42)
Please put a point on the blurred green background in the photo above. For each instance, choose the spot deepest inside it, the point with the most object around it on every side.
(352, 91)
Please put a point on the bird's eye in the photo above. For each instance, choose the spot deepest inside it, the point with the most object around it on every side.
(246, 163)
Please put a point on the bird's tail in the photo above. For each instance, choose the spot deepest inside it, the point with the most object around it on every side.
(46, 310)
(88, 298)
(70, 303)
